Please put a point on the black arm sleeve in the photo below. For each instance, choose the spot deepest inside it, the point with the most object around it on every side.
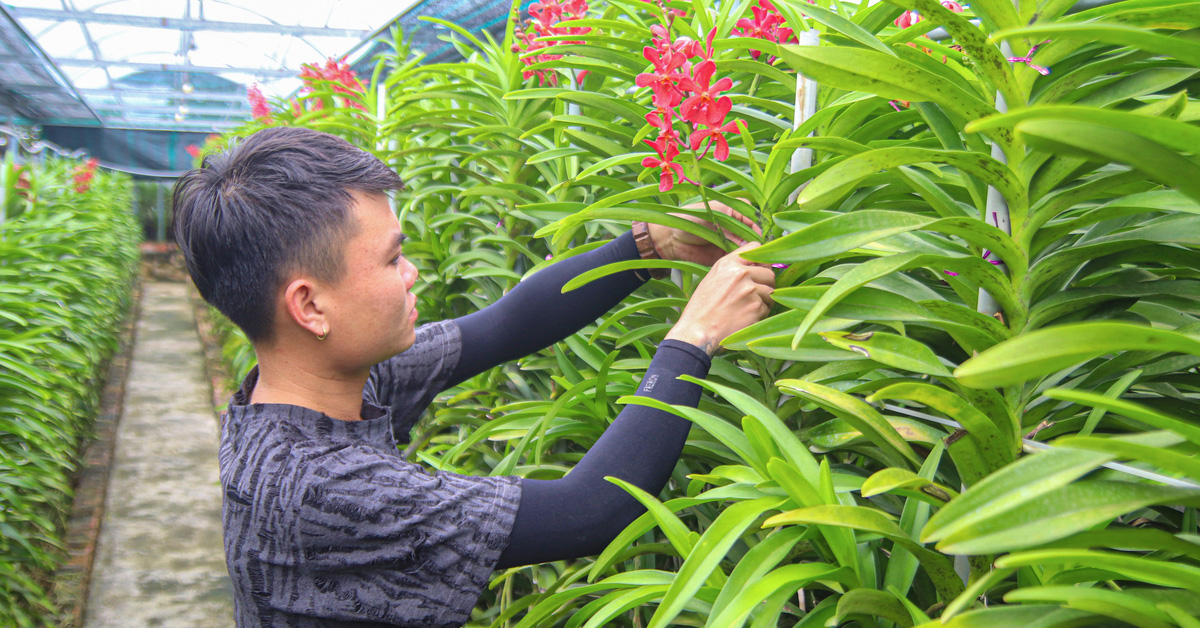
(536, 313)
(581, 513)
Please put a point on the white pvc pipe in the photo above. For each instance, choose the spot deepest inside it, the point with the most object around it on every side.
(996, 209)
(805, 108)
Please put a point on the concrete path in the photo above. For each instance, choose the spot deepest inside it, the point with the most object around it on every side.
(159, 560)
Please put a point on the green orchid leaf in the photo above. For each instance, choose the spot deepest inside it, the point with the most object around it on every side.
(889, 349)
(1045, 351)
(1024, 480)
(707, 553)
(855, 412)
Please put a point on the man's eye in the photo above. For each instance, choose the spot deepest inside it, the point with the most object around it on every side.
(395, 260)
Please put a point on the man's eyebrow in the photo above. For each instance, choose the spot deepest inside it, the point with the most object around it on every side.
(398, 238)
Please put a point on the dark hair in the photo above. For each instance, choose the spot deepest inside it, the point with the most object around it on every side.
(276, 203)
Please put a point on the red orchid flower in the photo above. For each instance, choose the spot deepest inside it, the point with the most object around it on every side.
(258, 103)
(667, 135)
(707, 51)
(666, 94)
(716, 140)
(758, 27)
(663, 61)
(908, 18)
(669, 170)
(660, 37)
(767, 23)
(706, 105)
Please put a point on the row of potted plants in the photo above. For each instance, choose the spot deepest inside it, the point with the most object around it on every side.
(68, 258)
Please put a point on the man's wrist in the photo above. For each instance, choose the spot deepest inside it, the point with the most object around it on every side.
(695, 337)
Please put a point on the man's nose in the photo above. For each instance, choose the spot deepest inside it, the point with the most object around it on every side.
(410, 273)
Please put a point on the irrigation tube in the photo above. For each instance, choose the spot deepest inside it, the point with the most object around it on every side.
(1030, 445)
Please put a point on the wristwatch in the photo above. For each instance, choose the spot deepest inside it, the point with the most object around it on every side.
(645, 247)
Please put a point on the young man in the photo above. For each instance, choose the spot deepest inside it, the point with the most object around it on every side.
(291, 236)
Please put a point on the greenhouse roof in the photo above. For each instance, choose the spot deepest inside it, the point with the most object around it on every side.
(168, 64)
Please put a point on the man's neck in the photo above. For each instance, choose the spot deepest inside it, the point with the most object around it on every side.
(338, 396)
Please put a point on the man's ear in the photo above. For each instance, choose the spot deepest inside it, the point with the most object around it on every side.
(301, 303)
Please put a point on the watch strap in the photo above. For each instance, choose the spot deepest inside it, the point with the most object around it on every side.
(645, 247)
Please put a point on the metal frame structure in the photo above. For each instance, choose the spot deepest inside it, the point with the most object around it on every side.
(22, 58)
(35, 90)
(183, 24)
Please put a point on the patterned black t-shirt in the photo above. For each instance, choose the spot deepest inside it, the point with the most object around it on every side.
(325, 524)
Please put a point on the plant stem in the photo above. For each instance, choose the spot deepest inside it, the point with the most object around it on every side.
(707, 208)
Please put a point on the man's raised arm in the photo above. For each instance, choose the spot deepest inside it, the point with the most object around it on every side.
(581, 513)
(536, 314)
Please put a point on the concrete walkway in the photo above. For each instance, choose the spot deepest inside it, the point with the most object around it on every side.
(159, 560)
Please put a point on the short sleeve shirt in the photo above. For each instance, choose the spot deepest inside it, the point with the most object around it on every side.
(326, 525)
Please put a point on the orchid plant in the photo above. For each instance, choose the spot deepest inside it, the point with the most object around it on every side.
(1004, 267)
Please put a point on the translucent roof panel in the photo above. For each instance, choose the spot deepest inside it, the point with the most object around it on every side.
(186, 64)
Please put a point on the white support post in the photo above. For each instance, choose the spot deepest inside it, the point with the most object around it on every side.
(805, 108)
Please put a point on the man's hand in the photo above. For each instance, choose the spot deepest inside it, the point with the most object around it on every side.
(676, 244)
(733, 295)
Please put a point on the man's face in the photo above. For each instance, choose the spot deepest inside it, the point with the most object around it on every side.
(373, 312)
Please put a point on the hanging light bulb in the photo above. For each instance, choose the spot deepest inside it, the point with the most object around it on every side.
(183, 110)
(188, 87)
(179, 117)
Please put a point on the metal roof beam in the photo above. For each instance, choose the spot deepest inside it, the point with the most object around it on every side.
(183, 23)
(192, 111)
(175, 67)
(87, 36)
(122, 92)
(201, 126)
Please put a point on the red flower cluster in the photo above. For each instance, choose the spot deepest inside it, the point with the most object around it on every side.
(193, 150)
(544, 19)
(258, 104)
(767, 24)
(338, 74)
(676, 82)
(84, 174)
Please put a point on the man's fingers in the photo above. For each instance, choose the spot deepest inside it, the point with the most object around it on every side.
(764, 293)
(734, 237)
(750, 223)
(762, 275)
(728, 211)
(749, 246)
(733, 213)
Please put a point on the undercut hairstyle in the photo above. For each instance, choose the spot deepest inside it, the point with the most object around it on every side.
(275, 204)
